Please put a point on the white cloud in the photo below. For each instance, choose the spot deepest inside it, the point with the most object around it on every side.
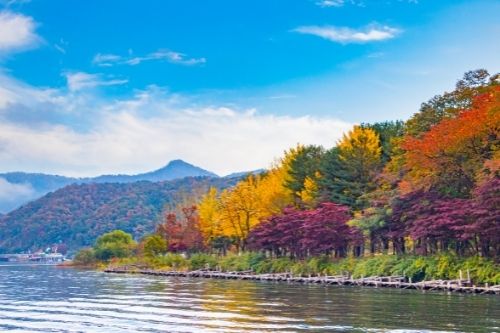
(81, 80)
(330, 3)
(106, 60)
(345, 35)
(17, 31)
(149, 129)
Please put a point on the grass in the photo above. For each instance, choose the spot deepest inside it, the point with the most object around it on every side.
(418, 268)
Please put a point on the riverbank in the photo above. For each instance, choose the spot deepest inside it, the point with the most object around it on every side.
(460, 285)
(479, 271)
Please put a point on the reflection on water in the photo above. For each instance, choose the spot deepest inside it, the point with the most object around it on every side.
(50, 299)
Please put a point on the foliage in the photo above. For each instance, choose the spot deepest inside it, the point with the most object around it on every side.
(85, 257)
(348, 170)
(182, 234)
(114, 244)
(450, 104)
(228, 217)
(153, 245)
(388, 132)
(448, 156)
(77, 214)
(303, 171)
(300, 233)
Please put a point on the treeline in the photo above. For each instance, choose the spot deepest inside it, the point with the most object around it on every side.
(118, 249)
(424, 186)
(429, 186)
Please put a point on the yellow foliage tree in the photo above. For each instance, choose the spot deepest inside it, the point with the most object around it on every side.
(361, 145)
(237, 210)
(209, 211)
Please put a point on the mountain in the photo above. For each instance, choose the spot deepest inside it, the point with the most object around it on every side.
(18, 188)
(76, 214)
(173, 170)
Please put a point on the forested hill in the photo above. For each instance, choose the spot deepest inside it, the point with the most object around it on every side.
(76, 214)
(29, 186)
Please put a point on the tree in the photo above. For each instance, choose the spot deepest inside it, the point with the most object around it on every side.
(297, 233)
(486, 217)
(448, 156)
(450, 104)
(348, 170)
(154, 245)
(182, 234)
(388, 132)
(114, 244)
(303, 166)
(326, 231)
(171, 230)
(240, 210)
(85, 257)
(210, 221)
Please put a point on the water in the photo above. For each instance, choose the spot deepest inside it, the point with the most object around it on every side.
(51, 299)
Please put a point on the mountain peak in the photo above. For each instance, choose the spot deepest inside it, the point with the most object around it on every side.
(177, 162)
(179, 169)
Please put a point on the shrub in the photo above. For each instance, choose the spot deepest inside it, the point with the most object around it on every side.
(202, 261)
(85, 257)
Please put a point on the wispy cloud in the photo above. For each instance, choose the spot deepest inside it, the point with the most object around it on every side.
(17, 31)
(330, 3)
(345, 35)
(107, 60)
(80, 80)
(144, 131)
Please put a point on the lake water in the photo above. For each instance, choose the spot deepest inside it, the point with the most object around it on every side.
(51, 299)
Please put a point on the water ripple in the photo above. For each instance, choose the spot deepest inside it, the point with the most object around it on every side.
(48, 299)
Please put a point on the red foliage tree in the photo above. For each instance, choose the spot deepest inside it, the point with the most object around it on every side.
(485, 210)
(448, 156)
(182, 235)
(323, 230)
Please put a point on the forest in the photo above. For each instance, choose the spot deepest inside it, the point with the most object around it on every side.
(428, 186)
(74, 216)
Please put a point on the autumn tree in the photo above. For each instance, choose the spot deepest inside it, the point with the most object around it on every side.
(449, 155)
(325, 230)
(240, 210)
(182, 234)
(450, 104)
(298, 233)
(229, 216)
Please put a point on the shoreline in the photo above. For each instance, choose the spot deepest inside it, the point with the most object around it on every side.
(459, 286)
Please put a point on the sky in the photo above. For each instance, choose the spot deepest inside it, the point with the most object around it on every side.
(104, 87)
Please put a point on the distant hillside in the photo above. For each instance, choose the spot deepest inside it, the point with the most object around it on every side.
(18, 188)
(78, 213)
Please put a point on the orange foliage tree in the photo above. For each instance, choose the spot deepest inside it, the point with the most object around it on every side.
(448, 156)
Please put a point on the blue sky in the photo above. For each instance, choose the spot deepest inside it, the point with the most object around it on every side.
(90, 87)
